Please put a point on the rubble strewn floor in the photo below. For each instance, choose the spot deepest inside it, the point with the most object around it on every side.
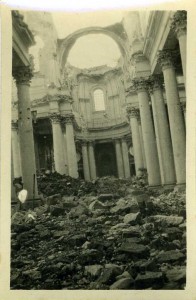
(107, 234)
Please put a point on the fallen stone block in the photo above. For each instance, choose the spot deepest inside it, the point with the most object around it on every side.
(177, 274)
(97, 205)
(125, 206)
(132, 231)
(166, 220)
(105, 197)
(132, 218)
(60, 233)
(149, 279)
(93, 270)
(123, 284)
(170, 256)
(56, 210)
(137, 250)
(53, 199)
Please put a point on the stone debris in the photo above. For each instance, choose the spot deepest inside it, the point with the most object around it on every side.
(102, 235)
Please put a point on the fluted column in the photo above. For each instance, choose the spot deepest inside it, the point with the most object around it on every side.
(119, 159)
(59, 160)
(137, 147)
(71, 147)
(25, 130)
(179, 26)
(165, 152)
(15, 151)
(92, 164)
(85, 161)
(176, 121)
(150, 146)
(125, 155)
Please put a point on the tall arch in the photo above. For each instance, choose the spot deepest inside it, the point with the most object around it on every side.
(66, 44)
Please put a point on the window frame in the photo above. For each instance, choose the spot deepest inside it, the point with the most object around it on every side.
(93, 99)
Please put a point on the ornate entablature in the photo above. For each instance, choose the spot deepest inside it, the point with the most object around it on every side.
(22, 28)
(22, 74)
(179, 22)
(38, 102)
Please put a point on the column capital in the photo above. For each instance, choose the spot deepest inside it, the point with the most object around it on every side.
(140, 84)
(83, 142)
(116, 139)
(55, 118)
(124, 139)
(91, 142)
(165, 59)
(14, 124)
(132, 112)
(155, 82)
(67, 119)
(179, 23)
(22, 74)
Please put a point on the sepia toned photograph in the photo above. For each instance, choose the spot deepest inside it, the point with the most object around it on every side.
(98, 150)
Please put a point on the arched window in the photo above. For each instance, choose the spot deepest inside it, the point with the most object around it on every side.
(99, 102)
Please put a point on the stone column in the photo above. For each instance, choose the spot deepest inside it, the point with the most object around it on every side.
(164, 144)
(25, 129)
(183, 107)
(179, 26)
(137, 147)
(71, 147)
(65, 153)
(13, 193)
(59, 160)
(150, 147)
(141, 140)
(85, 161)
(125, 156)
(92, 164)
(176, 121)
(119, 159)
(15, 151)
(36, 153)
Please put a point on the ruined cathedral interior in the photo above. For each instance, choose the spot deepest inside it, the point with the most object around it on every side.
(125, 119)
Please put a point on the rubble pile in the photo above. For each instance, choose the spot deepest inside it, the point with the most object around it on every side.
(114, 237)
(55, 183)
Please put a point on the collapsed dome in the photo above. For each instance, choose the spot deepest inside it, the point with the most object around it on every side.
(94, 50)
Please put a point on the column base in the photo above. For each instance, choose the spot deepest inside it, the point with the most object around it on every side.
(29, 204)
(169, 186)
(154, 187)
(180, 187)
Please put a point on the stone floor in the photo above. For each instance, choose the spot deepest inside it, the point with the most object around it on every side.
(117, 235)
